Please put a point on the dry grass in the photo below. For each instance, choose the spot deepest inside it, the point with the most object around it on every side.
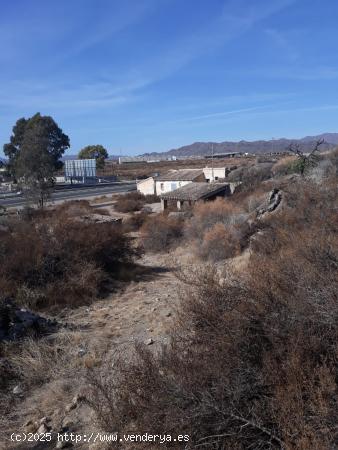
(216, 229)
(253, 358)
(57, 261)
(219, 243)
(284, 166)
(159, 233)
(134, 201)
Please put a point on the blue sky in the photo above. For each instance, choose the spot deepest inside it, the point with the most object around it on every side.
(151, 75)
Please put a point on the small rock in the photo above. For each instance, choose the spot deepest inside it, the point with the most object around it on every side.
(43, 428)
(67, 424)
(45, 420)
(168, 314)
(81, 352)
(64, 444)
(31, 428)
(79, 398)
(153, 309)
(149, 341)
(17, 390)
(70, 407)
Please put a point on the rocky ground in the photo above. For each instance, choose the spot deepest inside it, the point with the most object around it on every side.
(53, 387)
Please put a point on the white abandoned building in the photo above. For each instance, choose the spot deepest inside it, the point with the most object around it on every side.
(215, 173)
(170, 181)
(189, 194)
(146, 186)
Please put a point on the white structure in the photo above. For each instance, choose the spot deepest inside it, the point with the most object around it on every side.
(80, 169)
(147, 186)
(169, 181)
(214, 173)
(176, 179)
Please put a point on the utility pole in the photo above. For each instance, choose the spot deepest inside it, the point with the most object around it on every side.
(212, 162)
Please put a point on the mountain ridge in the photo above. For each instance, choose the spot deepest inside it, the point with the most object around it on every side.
(260, 146)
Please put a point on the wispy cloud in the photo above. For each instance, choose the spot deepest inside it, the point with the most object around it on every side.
(219, 114)
(110, 22)
(237, 18)
(81, 98)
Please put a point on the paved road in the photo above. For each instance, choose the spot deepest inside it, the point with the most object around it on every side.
(71, 194)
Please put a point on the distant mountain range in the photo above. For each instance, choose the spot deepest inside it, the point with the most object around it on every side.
(306, 144)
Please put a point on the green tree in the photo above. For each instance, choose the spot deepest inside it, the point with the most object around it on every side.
(305, 162)
(34, 154)
(97, 152)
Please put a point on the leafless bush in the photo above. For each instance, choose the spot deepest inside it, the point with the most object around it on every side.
(216, 229)
(284, 166)
(74, 208)
(219, 243)
(158, 233)
(134, 201)
(208, 214)
(252, 176)
(152, 198)
(57, 261)
(134, 222)
(128, 204)
(253, 360)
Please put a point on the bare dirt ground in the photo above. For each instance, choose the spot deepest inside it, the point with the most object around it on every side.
(143, 311)
(54, 369)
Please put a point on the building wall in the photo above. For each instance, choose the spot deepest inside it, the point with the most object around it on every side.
(146, 187)
(168, 186)
(217, 173)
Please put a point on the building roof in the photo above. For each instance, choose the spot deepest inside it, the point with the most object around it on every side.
(143, 180)
(221, 155)
(181, 175)
(196, 191)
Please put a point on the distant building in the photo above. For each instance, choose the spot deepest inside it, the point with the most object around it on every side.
(131, 159)
(215, 173)
(145, 159)
(193, 192)
(224, 155)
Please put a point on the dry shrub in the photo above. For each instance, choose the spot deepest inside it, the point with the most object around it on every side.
(333, 157)
(74, 208)
(152, 198)
(284, 166)
(208, 214)
(135, 221)
(219, 243)
(59, 261)
(217, 229)
(253, 360)
(159, 233)
(133, 201)
(101, 211)
(251, 176)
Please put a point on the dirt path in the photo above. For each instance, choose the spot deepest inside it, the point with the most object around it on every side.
(142, 312)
